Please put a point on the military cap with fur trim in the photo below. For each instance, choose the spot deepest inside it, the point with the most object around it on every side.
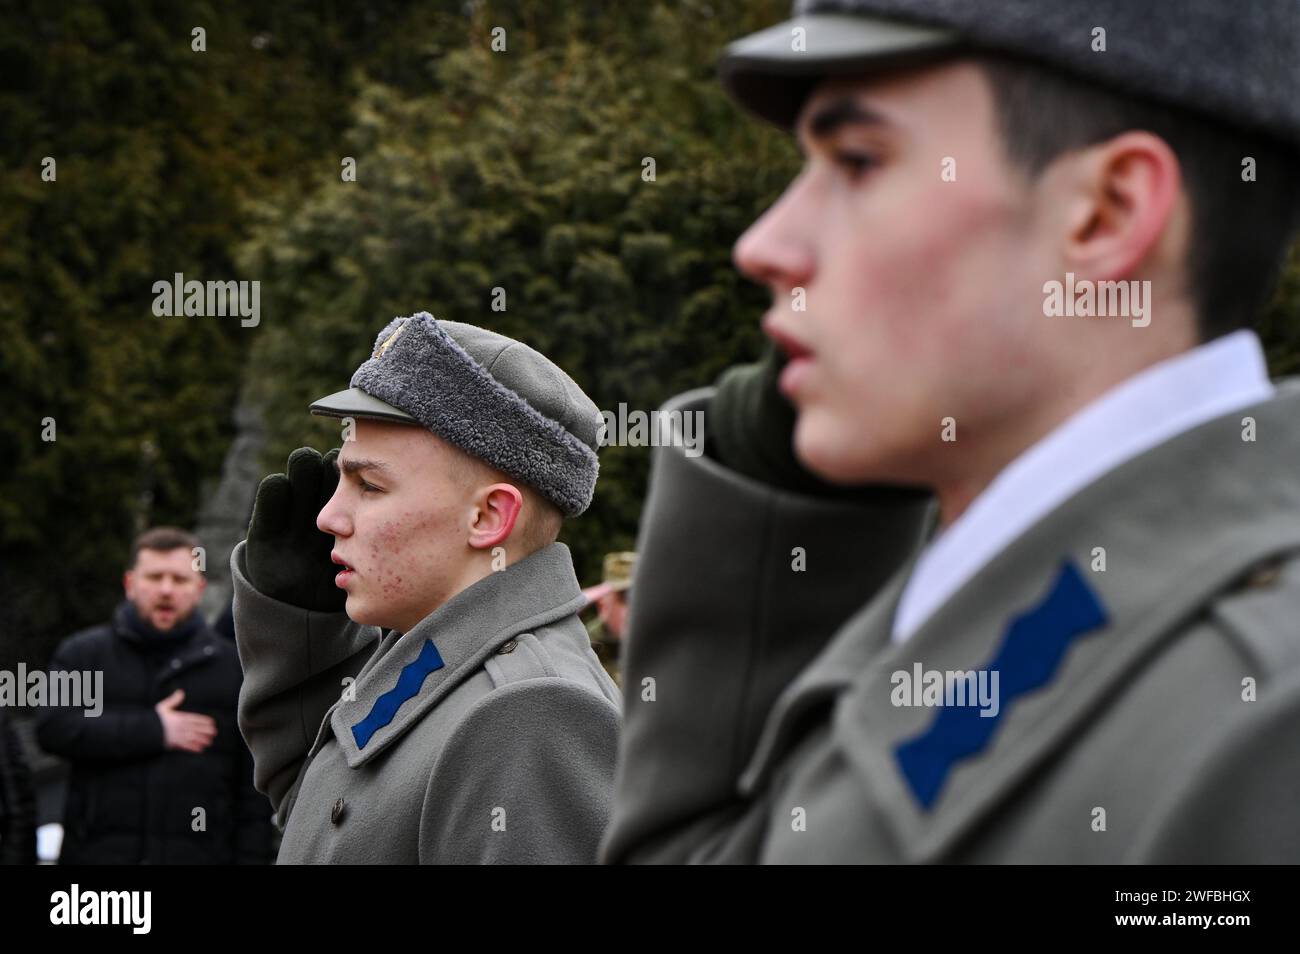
(493, 397)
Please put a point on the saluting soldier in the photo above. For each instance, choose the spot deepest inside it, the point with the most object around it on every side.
(418, 686)
(1019, 268)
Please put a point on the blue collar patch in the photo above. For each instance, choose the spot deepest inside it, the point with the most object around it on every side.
(1031, 652)
(409, 682)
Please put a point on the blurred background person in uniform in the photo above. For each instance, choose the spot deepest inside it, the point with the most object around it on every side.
(610, 597)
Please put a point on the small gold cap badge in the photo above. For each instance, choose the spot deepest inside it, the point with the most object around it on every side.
(387, 342)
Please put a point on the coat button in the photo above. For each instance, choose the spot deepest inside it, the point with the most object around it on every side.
(176, 664)
(507, 648)
(336, 813)
(208, 650)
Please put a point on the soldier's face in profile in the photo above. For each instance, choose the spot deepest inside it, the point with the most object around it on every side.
(905, 262)
(400, 518)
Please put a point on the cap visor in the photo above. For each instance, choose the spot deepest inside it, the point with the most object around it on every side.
(357, 403)
(771, 72)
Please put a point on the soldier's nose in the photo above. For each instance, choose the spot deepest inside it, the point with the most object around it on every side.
(771, 255)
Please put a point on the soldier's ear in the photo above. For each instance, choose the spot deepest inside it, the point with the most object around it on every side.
(496, 511)
(1125, 194)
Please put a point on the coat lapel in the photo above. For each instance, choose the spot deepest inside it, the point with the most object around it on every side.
(1177, 525)
(833, 670)
(1027, 656)
(413, 671)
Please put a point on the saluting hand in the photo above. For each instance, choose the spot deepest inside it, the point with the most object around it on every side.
(288, 557)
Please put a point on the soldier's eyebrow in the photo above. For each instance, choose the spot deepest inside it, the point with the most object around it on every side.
(356, 465)
(843, 110)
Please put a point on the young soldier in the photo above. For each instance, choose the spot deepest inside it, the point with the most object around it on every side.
(419, 687)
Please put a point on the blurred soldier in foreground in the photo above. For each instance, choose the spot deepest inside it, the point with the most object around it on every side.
(1019, 268)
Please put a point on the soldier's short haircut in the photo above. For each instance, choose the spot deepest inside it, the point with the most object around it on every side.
(1241, 230)
(541, 520)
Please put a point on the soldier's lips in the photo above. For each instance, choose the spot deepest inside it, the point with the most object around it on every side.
(799, 358)
(344, 575)
(793, 375)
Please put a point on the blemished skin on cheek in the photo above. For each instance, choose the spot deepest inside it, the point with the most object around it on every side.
(916, 282)
(401, 519)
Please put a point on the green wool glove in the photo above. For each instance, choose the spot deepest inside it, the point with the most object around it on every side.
(288, 558)
(750, 428)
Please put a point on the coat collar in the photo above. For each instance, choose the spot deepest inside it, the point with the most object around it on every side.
(128, 625)
(411, 672)
(1183, 521)
(171, 654)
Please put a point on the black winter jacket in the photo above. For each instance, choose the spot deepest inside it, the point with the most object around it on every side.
(17, 799)
(130, 800)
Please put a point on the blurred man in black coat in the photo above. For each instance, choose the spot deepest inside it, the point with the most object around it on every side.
(161, 775)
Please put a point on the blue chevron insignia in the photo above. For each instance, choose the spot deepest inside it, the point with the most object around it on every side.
(409, 682)
(1031, 652)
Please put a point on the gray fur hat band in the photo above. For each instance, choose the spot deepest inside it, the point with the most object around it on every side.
(493, 397)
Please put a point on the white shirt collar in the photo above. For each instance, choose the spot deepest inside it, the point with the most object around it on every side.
(1151, 407)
